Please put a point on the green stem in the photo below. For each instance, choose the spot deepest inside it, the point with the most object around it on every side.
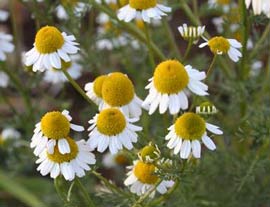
(69, 191)
(165, 196)
(245, 32)
(171, 38)
(131, 28)
(85, 193)
(6, 100)
(146, 195)
(211, 66)
(190, 42)
(151, 57)
(259, 44)
(111, 186)
(77, 87)
(189, 13)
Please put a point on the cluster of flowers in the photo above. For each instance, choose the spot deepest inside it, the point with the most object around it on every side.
(119, 107)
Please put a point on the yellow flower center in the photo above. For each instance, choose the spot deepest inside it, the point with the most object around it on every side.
(60, 158)
(55, 125)
(123, 2)
(117, 90)
(98, 83)
(223, 2)
(170, 77)
(48, 40)
(111, 122)
(142, 4)
(145, 172)
(219, 45)
(121, 159)
(190, 126)
(70, 3)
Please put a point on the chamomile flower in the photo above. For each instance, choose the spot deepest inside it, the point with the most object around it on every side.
(78, 8)
(56, 76)
(52, 131)
(94, 90)
(150, 153)
(9, 133)
(3, 15)
(112, 129)
(118, 91)
(191, 33)
(4, 80)
(114, 160)
(6, 45)
(145, 9)
(142, 177)
(72, 164)
(186, 134)
(206, 108)
(220, 45)
(167, 88)
(259, 6)
(50, 47)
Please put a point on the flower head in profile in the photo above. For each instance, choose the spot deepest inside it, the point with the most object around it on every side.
(94, 90)
(145, 9)
(167, 88)
(50, 47)
(112, 129)
(190, 33)
(206, 108)
(118, 91)
(56, 76)
(115, 160)
(186, 134)
(53, 130)
(220, 45)
(9, 134)
(6, 45)
(71, 164)
(142, 177)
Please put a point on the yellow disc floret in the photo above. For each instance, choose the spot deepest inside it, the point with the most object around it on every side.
(55, 125)
(149, 151)
(121, 159)
(190, 126)
(219, 45)
(117, 90)
(145, 172)
(111, 122)
(48, 40)
(60, 158)
(142, 4)
(223, 2)
(98, 83)
(170, 77)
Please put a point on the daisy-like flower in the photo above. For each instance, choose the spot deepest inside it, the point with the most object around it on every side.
(3, 15)
(259, 6)
(206, 108)
(6, 45)
(114, 160)
(190, 33)
(94, 90)
(118, 91)
(4, 80)
(142, 178)
(72, 164)
(50, 47)
(220, 45)
(145, 9)
(52, 131)
(78, 8)
(9, 133)
(56, 76)
(187, 132)
(112, 129)
(167, 87)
